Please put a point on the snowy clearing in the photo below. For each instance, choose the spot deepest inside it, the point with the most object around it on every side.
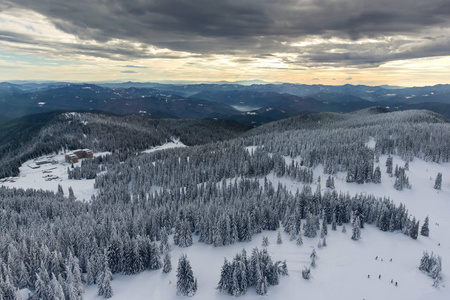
(47, 177)
(175, 143)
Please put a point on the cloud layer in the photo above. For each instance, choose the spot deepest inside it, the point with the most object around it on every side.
(284, 33)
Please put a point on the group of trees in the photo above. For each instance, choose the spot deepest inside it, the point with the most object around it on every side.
(258, 270)
(431, 264)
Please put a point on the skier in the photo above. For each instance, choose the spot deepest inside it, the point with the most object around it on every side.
(368, 276)
(391, 259)
(379, 276)
(396, 283)
(376, 258)
(392, 280)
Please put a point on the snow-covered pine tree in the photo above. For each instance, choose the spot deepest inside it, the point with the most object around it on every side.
(261, 282)
(265, 241)
(185, 277)
(55, 289)
(310, 226)
(330, 182)
(313, 257)
(279, 238)
(333, 222)
(438, 182)
(164, 243)
(424, 230)
(324, 230)
(104, 283)
(306, 273)
(389, 164)
(299, 239)
(356, 231)
(414, 231)
(167, 266)
(282, 268)
(226, 277)
(71, 194)
(377, 175)
(115, 254)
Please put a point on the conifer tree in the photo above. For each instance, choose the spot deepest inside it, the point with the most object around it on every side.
(356, 231)
(186, 283)
(306, 273)
(377, 175)
(313, 257)
(299, 239)
(261, 282)
(310, 226)
(279, 238)
(167, 267)
(333, 222)
(225, 278)
(324, 230)
(425, 231)
(438, 182)
(164, 244)
(389, 164)
(319, 244)
(414, 231)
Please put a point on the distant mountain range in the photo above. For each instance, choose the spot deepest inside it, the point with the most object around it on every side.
(248, 103)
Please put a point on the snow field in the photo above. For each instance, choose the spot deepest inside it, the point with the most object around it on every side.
(36, 178)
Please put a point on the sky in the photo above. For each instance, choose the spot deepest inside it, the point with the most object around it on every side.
(373, 42)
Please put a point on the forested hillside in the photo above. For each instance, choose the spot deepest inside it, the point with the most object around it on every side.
(216, 192)
(36, 135)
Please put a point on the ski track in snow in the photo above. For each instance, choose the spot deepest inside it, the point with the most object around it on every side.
(343, 266)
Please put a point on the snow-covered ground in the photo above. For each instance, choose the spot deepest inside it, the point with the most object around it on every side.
(343, 266)
(48, 176)
(175, 143)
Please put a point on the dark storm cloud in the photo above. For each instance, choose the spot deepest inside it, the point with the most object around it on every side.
(252, 28)
(129, 72)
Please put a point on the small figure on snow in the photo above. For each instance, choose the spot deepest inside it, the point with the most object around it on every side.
(396, 283)
(376, 258)
(379, 276)
(381, 259)
(392, 280)
(391, 260)
(368, 276)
